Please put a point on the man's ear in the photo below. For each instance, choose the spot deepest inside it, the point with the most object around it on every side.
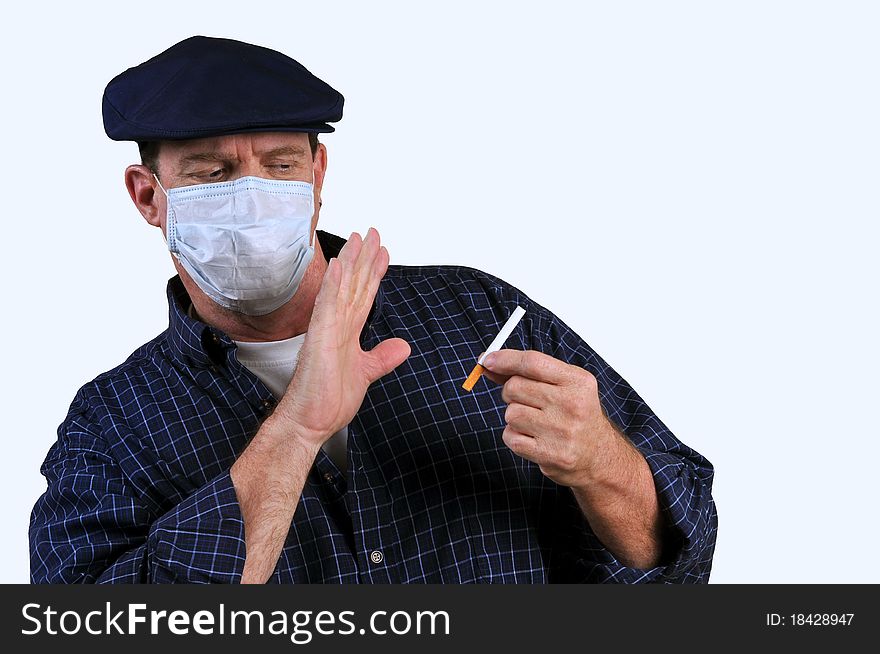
(320, 167)
(145, 193)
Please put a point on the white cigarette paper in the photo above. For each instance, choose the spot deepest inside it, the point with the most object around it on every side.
(504, 334)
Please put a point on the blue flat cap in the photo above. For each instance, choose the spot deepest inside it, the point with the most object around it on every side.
(209, 87)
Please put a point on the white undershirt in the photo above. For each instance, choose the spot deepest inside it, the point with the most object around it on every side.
(273, 362)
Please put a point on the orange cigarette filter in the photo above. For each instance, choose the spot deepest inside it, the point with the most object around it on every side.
(473, 377)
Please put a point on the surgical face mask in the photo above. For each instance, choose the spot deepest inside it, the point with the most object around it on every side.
(245, 242)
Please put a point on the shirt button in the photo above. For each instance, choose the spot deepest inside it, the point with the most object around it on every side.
(376, 556)
(215, 338)
(328, 477)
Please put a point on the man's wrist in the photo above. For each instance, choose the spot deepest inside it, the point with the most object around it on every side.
(615, 464)
(276, 451)
(286, 438)
(285, 424)
(271, 469)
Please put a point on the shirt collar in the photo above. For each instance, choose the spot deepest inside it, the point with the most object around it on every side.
(198, 344)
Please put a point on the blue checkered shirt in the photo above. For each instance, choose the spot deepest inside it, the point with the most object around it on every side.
(139, 488)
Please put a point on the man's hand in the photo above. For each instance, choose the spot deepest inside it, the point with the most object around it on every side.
(329, 385)
(553, 415)
(333, 372)
(555, 419)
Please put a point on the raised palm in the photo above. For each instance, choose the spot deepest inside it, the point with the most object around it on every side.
(333, 372)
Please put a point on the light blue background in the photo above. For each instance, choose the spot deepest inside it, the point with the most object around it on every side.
(692, 186)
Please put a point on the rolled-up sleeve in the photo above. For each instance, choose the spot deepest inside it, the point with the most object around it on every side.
(682, 476)
(91, 527)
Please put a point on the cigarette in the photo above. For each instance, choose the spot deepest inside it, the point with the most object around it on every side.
(494, 346)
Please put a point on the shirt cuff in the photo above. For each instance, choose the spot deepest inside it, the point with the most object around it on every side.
(201, 540)
(689, 514)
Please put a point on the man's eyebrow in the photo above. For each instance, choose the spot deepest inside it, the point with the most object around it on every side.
(285, 150)
(207, 156)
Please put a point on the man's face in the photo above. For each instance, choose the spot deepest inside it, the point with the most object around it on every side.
(270, 155)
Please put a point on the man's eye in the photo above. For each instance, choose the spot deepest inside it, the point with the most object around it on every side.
(214, 174)
(282, 168)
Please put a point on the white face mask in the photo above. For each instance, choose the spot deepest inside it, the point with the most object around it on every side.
(245, 242)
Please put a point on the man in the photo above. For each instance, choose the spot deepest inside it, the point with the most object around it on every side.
(302, 417)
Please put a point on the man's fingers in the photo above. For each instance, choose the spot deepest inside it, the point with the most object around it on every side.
(385, 357)
(369, 250)
(372, 265)
(379, 266)
(363, 264)
(529, 363)
(519, 443)
(495, 378)
(348, 255)
(526, 419)
(528, 391)
(324, 312)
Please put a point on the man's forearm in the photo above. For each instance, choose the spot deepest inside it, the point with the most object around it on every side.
(621, 505)
(269, 477)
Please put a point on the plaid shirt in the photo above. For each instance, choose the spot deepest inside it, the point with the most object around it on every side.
(139, 488)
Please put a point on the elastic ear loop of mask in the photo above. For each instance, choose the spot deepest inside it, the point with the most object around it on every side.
(156, 177)
(314, 235)
(164, 235)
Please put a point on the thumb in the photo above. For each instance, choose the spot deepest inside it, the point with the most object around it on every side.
(386, 356)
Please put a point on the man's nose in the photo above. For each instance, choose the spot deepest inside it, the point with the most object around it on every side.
(248, 168)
